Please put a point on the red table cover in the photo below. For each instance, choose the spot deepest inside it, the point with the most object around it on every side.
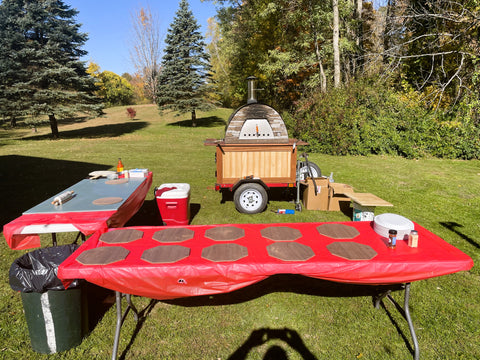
(86, 222)
(195, 275)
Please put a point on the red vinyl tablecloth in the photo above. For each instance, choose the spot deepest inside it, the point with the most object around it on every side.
(87, 222)
(174, 262)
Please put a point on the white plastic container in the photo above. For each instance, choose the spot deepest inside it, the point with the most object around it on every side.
(384, 222)
(363, 213)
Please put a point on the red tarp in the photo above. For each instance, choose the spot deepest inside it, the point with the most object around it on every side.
(86, 222)
(195, 275)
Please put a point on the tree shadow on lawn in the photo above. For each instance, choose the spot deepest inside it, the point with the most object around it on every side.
(452, 226)
(149, 214)
(25, 181)
(209, 121)
(93, 132)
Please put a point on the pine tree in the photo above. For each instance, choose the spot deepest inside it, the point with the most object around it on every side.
(41, 73)
(183, 82)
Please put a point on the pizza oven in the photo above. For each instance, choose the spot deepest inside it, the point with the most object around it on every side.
(255, 122)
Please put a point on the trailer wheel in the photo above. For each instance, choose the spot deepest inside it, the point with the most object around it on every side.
(314, 169)
(250, 198)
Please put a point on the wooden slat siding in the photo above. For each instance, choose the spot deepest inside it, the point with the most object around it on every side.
(262, 164)
(275, 163)
(219, 160)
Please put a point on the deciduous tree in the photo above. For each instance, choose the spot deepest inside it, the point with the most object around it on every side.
(146, 49)
(113, 89)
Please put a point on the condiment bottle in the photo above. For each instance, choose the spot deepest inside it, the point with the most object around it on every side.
(392, 239)
(413, 239)
(119, 166)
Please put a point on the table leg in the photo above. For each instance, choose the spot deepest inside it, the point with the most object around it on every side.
(405, 311)
(54, 239)
(410, 323)
(121, 318)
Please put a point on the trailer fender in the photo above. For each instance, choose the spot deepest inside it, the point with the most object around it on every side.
(249, 180)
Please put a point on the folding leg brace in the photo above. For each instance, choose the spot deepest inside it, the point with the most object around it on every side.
(121, 318)
(405, 311)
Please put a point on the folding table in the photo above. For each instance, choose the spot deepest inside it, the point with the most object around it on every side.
(176, 262)
(97, 204)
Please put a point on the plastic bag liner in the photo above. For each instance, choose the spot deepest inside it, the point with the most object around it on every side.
(36, 271)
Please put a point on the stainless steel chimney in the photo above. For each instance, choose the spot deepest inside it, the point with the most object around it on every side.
(252, 84)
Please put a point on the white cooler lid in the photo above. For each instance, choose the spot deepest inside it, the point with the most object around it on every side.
(178, 191)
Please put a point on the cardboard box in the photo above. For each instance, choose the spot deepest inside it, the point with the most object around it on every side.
(312, 201)
(337, 199)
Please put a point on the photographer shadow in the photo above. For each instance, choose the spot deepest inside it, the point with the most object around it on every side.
(274, 352)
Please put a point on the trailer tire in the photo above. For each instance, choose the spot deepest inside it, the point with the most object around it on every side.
(314, 169)
(250, 198)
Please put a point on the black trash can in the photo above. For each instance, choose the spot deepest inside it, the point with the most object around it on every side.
(56, 317)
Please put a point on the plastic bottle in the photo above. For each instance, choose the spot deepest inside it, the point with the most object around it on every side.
(392, 239)
(119, 166)
(63, 198)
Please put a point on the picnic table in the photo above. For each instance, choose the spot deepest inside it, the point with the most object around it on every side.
(176, 262)
(97, 204)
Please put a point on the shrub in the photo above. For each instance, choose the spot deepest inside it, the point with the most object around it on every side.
(370, 118)
(131, 113)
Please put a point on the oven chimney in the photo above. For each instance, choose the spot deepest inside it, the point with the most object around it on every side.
(252, 83)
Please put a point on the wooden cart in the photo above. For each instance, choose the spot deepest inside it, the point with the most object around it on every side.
(256, 155)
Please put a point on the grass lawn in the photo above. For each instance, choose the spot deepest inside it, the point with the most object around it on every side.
(441, 195)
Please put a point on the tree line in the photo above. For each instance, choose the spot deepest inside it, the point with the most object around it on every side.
(349, 76)
(354, 78)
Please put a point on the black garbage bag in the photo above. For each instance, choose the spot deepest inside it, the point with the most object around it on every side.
(36, 271)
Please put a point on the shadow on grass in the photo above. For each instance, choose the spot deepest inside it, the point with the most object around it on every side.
(277, 283)
(92, 132)
(286, 283)
(452, 226)
(286, 194)
(275, 352)
(142, 316)
(98, 301)
(25, 181)
(149, 214)
(297, 284)
(209, 121)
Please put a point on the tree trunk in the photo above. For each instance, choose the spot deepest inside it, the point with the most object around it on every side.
(13, 121)
(323, 77)
(336, 46)
(359, 37)
(53, 126)
(194, 118)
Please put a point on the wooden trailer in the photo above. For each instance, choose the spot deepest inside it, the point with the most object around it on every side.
(256, 154)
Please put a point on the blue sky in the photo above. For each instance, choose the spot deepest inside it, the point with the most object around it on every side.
(109, 26)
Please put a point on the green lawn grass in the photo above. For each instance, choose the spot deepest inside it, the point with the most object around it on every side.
(441, 195)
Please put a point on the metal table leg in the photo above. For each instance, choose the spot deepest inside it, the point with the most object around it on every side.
(121, 318)
(405, 311)
(54, 239)
(409, 321)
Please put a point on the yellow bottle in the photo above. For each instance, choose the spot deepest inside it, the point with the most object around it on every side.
(119, 166)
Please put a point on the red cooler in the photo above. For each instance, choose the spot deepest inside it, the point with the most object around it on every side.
(173, 202)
